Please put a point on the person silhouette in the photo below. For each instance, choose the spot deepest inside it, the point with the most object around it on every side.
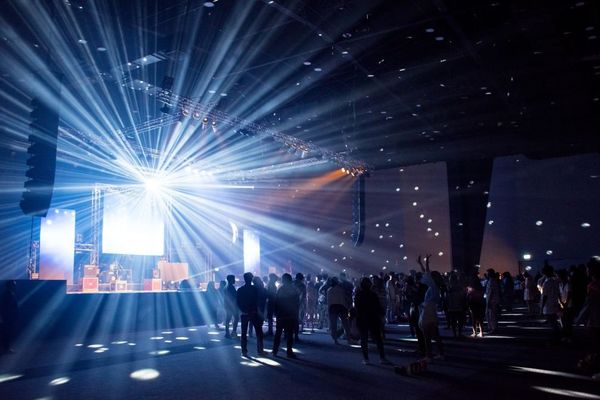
(287, 305)
(247, 301)
(368, 316)
(231, 308)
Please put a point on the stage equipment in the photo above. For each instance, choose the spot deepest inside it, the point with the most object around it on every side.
(358, 211)
(57, 245)
(89, 285)
(132, 222)
(152, 284)
(185, 105)
(90, 271)
(251, 252)
(167, 85)
(173, 271)
(42, 159)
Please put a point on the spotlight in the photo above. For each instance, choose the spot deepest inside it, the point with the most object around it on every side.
(152, 184)
(185, 109)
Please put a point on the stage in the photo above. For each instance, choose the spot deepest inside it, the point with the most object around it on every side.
(46, 310)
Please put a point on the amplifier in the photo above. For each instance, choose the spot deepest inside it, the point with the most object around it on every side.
(121, 285)
(90, 271)
(89, 285)
(152, 284)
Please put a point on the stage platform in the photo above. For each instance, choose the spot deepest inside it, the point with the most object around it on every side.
(47, 310)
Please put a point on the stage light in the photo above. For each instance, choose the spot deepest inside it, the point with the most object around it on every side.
(526, 256)
(152, 184)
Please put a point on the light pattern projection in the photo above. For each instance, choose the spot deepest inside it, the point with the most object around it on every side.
(198, 153)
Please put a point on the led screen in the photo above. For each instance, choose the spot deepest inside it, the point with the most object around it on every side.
(251, 252)
(133, 224)
(57, 245)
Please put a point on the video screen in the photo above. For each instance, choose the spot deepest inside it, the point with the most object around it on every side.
(133, 224)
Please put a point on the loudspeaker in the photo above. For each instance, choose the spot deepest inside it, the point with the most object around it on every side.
(90, 271)
(358, 211)
(89, 285)
(42, 159)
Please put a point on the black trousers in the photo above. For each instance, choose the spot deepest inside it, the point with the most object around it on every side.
(373, 328)
(231, 314)
(338, 311)
(256, 322)
(287, 324)
(270, 313)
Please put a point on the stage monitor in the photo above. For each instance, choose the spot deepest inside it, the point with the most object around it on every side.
(133, 224)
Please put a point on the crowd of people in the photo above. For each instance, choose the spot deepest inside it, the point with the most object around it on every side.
(355, 309)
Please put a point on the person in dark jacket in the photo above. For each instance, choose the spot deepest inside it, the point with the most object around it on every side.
(212, 302)
(271, 293)
(231, 308)
(247, 301)
(262, 302)
(287, 305)
(368, 315)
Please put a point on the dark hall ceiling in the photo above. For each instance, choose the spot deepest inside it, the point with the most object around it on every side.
(388, 82)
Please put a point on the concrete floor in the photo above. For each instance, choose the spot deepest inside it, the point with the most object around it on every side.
(198, 363)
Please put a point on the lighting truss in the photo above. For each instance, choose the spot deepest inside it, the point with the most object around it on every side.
(189, 107)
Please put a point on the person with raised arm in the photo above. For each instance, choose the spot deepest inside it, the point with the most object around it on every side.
(428, 321)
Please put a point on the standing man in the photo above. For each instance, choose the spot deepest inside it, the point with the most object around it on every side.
(338, 308)
(271, 294)
(231, 308)
(301, 288)
(247, 301)
(287, 304)
(492, 299)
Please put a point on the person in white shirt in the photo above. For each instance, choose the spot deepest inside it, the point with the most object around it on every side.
(566, 304)
(550, 300)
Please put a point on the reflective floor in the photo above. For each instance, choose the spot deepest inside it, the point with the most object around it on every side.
(198, 362)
